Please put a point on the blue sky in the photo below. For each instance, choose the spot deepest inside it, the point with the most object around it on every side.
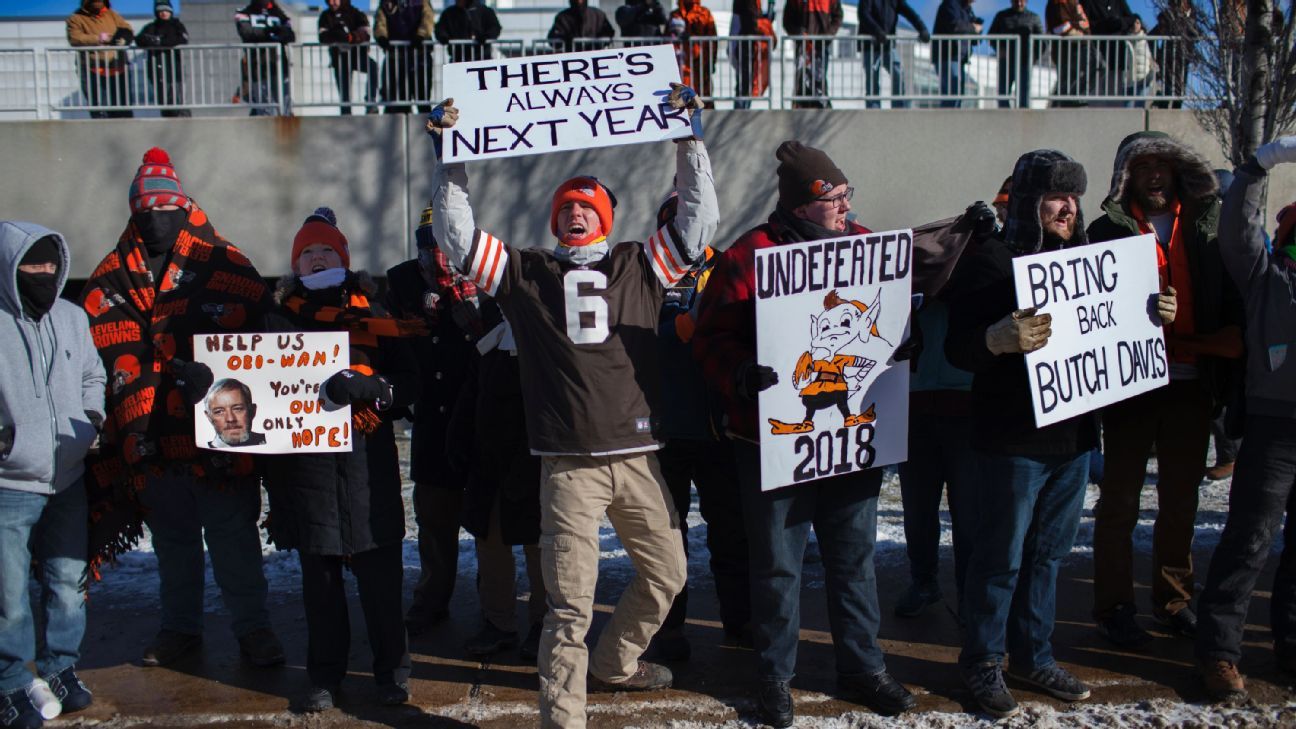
(926, 8)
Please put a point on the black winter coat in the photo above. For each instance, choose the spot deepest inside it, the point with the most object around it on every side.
(344, 503)
(475, 22)
(162, 34)
(444, 358)
(581, 22)
(346, 26)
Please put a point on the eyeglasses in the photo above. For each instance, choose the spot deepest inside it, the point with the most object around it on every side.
(836, 200)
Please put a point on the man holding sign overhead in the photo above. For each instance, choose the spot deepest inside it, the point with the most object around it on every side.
(584, 318)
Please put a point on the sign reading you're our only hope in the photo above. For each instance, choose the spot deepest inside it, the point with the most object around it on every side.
(1108, 343)
(560, 102)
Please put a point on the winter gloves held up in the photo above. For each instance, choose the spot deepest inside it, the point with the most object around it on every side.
(193, 378)
(1019, 332)
(751, 379)
(1277, 152)
(348, 387)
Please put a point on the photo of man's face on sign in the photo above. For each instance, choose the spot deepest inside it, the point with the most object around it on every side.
(230, 410)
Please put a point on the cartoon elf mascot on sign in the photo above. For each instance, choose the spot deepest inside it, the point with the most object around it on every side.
(826, 376)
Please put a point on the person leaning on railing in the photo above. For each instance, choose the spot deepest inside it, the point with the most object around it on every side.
(410, 24)
(468, 20)
(165, 71)
(263, 21)
(104, 72)
(346, 31)
(580, 21)
(953, 17)
(1015, 20)
(813, 18)
(700, 55)
(1067, 18)
(877, 20)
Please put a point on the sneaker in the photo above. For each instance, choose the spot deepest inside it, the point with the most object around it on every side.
(262, 648)
(489, 640)
(1223, 682)
(420, 619)
(647, 677)
(879, 691)
(671, 646)
(1183, 622)
(1055, 681)
(529, 649)
(916, 599)
(68, 689)
(393, 694)
(43, 699)
(317, 699)
(1219, 471)
(1121, 628)
(170, 646)
(18, 712)
(986, 682)
(774, 703)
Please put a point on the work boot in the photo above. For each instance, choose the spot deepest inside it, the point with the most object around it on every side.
(879, 691)
(261, 647)
(1223, 682)
(68, 689)
(917, 598)
(1122, 629)
(647, 677)
(490, 640)
(986, 682)
(170, 646)
(774, 703)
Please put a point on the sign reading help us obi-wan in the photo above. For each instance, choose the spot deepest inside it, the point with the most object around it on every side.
(564, 101)
(829, 316)
(1107, 343)
(265, 394)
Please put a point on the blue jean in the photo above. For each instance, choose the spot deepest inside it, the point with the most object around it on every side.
(940, 461)
(951, 82)
(874, 56)
(182, 511)
(1028, 511)
(843, 512)
(53, 530)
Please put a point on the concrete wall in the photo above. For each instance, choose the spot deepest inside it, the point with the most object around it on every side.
(259, 178)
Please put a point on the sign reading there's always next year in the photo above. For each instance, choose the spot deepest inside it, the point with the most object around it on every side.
(565, 101)
(265, 395)
(829, 316)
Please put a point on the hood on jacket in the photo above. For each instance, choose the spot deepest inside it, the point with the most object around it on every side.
(16, 238)
(85, 3)
(1036, 174)
(1194, 180)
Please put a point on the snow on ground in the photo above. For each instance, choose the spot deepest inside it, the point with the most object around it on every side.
(133, 582)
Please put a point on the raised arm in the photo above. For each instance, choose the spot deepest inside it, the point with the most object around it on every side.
(1241, 223)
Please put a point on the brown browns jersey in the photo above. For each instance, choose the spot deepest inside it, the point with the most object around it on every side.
(586, 336)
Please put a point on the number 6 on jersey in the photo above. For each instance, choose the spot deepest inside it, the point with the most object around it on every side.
(587, 310)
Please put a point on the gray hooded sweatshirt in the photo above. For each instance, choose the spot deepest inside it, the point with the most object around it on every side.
(51, 376)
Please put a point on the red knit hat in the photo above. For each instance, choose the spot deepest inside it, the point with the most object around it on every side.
(321, 227)
(156, 184)
(589, 191)
(1286, 225)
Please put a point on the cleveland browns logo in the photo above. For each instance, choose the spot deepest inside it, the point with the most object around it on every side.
(165, 345)
(229, 316)
(125, 370)
(99, 301)
(175, 277)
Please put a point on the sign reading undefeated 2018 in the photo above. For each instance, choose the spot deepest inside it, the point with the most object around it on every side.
(1107, 343)
(266, 393)
(566, 101)
(829, 316)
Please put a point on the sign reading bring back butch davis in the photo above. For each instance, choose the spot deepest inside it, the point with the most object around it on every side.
(564, 101)
(1107, 343)
(829, 316)
(265, 396)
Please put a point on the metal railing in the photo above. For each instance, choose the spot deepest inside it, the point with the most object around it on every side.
(729, 72)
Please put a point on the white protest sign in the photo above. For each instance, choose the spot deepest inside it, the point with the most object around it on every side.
(565, 101)
(829, 315)
(1107, 343)
(265, 395)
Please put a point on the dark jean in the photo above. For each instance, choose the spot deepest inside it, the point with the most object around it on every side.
(51, 529)
(378, 573)
(709, 465)
(940, 460)
(182, 514)
(1028, 511)
(843, 512)
(875, 55)
(1264, 487)
(437, 513)
(952, 81)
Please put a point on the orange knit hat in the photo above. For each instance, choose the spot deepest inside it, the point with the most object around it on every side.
(587, 190)
(321, 227)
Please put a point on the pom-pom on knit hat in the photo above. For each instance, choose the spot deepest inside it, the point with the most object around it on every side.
(156, 184)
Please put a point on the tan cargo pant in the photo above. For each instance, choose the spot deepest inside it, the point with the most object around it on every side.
(575, 492)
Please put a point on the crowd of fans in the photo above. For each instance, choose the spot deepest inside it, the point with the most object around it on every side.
(405, 30)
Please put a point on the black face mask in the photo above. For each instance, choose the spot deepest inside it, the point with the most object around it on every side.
(159, 228)
(38, 292)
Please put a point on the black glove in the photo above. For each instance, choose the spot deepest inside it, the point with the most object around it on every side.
(467, 317)
(753, 378)
(924, 37)
(349, 386)
(95, 419)
(193, 378)
(880, 38)
(384, 43)
(982, 218)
